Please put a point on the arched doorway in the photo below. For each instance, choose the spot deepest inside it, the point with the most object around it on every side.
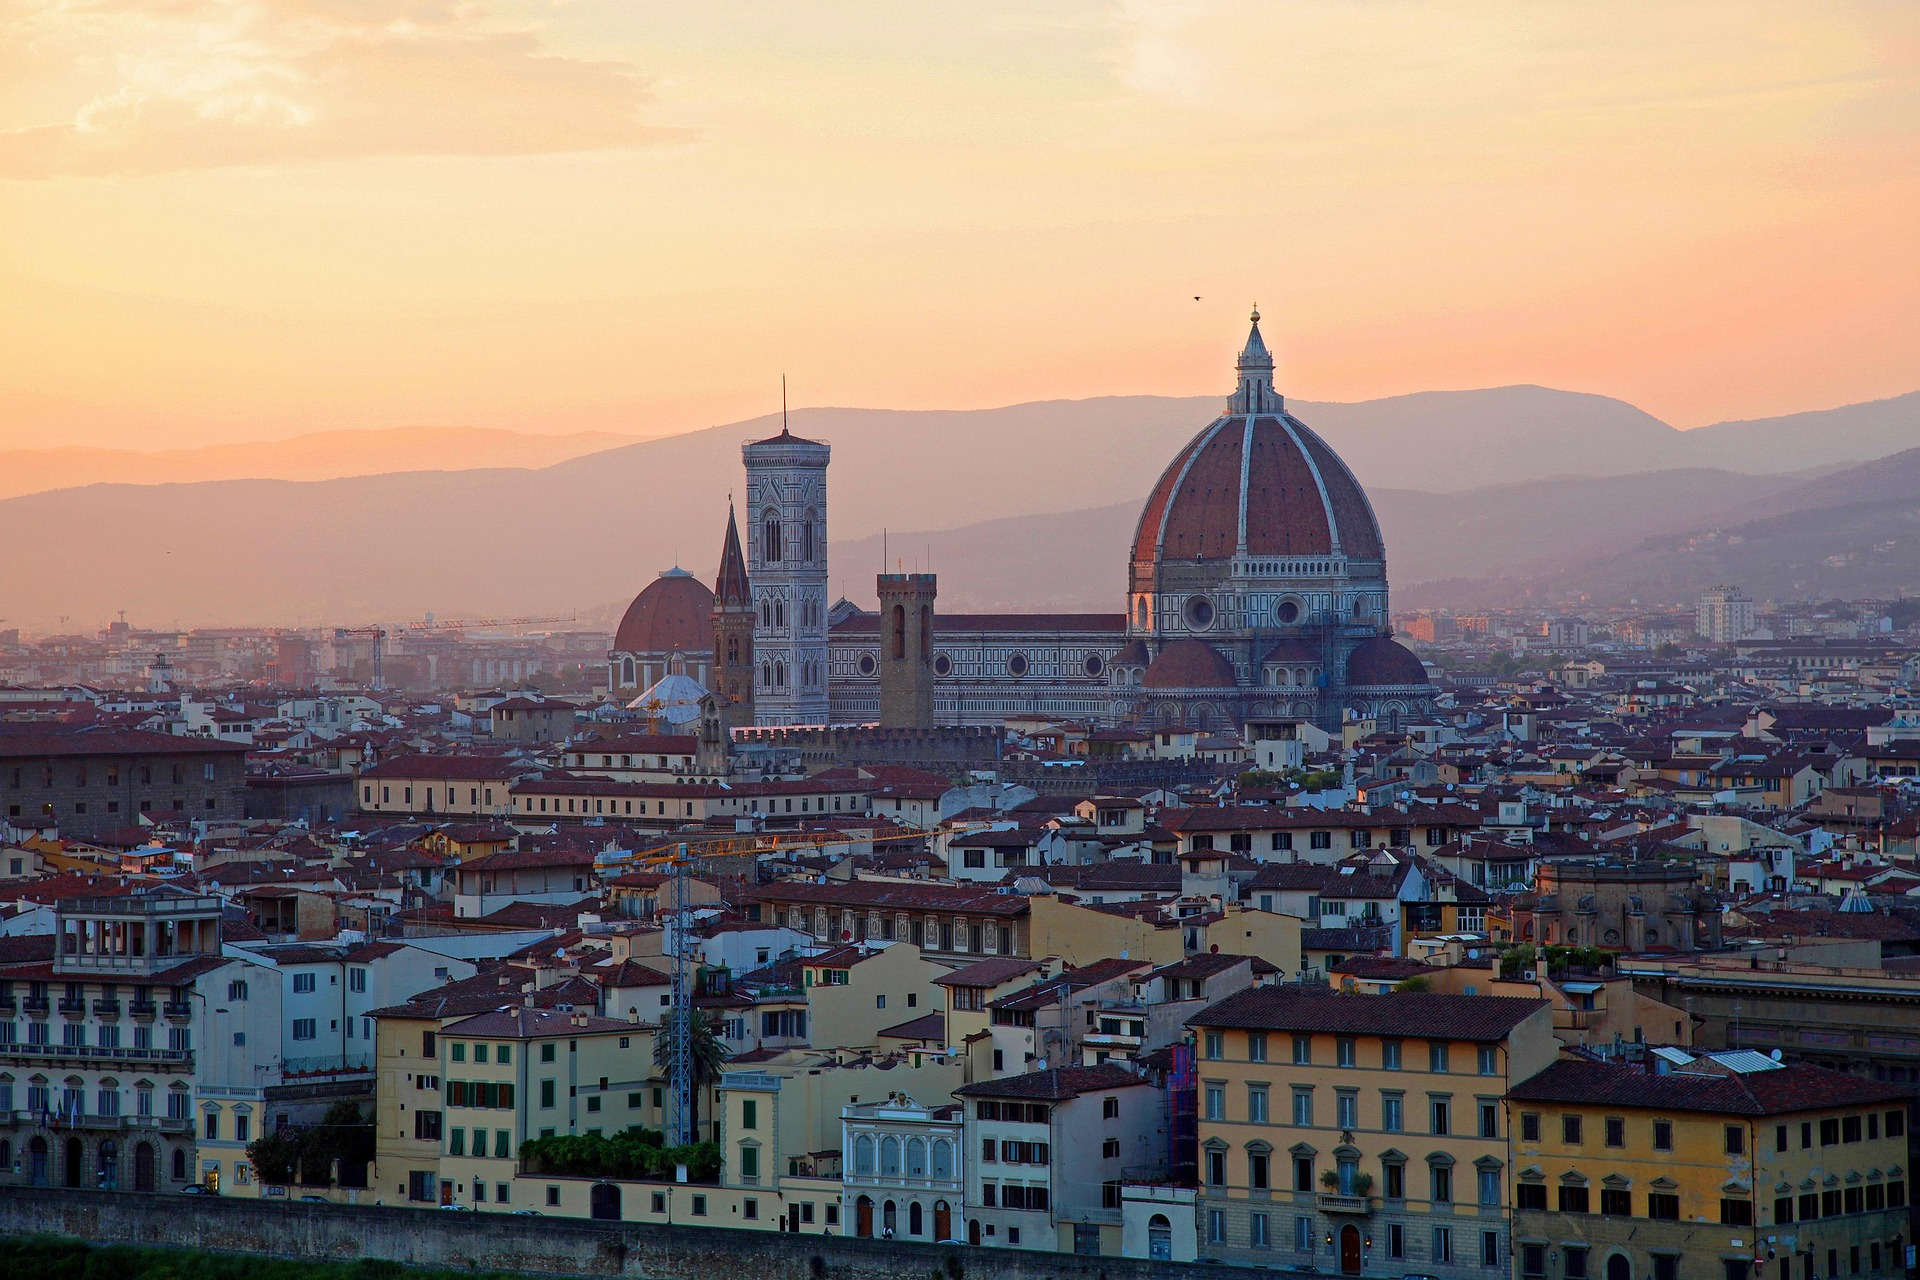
(108, 1168)
(916, 1220)
(863, 1216)
(973, 1232)
(1349, 1250)
(1619, 1267)
(37, 1162)
(1159, 1238)
(889, 1220)
(76, 1161)
(942, 1220)
(179, 1164)
(143, 1167)
(604, 1202)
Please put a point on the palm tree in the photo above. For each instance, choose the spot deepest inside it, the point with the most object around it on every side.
(707, 1054)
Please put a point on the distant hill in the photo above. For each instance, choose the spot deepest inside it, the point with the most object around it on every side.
(1852, 433)
(1850, 534)
(1064, 476)
(320, 455)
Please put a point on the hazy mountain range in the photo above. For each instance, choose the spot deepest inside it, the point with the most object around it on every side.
(319, 455)
(1033, 505)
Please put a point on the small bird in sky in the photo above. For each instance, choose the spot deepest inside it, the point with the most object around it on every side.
(1196, 297)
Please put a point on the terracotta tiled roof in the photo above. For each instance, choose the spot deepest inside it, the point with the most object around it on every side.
(1189, 664)
(1056, 1085)
(1750, 1093)
(1446, 1017)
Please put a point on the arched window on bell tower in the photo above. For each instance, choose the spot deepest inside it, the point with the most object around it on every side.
(770, 548)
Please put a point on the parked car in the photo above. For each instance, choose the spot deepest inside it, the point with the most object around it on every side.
(198, 1189)
(313, 1199)
(454, 1206)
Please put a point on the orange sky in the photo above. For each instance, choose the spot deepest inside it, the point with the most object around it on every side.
(222, 221)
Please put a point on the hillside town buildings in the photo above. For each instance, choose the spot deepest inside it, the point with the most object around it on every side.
(1223, 928)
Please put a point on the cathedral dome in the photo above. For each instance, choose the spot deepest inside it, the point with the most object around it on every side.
(1189, 664)
(1381, 661)
(674, 611)
(1256, 482)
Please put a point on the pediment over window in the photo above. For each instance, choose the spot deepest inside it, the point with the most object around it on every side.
(1664, 1183)
(1301, 1149)
(1532, 1174)
(1573, 1178)
(1393, 1155)
(1614, 1182)
(1440, 1159)
(1487, 1164)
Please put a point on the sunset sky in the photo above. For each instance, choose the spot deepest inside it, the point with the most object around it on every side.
(223, 221)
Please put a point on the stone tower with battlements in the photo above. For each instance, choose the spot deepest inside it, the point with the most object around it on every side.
(906, 650)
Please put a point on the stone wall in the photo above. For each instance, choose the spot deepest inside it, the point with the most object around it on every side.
(551, 1246)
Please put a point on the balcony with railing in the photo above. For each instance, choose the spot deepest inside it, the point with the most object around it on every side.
(96, 1054)
(143, 1009)
(177, 1009)
(74, 1006)
(1353, 1206)
(36, 1006)
(107, 1008)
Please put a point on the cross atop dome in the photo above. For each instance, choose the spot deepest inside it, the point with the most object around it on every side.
(1255, 393)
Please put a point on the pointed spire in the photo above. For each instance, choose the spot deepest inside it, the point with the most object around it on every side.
(1255, 393)
(730, 588)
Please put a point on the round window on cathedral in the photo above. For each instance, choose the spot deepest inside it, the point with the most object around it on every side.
(1017, 665)
(942, 665)
(1199, 613)
(867, 665)
(1289, 612)
(1093, 664)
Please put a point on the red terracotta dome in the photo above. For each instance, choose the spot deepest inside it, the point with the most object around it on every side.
(1256, 478)
(1189, 664)
(675, 611)
(1381, 661)
(1287, 486)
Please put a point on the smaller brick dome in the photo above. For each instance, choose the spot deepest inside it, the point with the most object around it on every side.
(1293, 651)
(1133, 654)
(675, 611)
(1189, 664)
(1381, 661)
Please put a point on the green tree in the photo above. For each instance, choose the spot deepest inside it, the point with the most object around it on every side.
(275, 1156)
(707, 1056)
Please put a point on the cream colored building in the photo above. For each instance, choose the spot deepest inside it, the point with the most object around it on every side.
(855, 992)
(521, 1073)
(1360, 1134)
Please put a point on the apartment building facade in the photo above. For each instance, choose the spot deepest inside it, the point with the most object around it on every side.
(134, 1054)
(1360, 1134)
(1728, 1166)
